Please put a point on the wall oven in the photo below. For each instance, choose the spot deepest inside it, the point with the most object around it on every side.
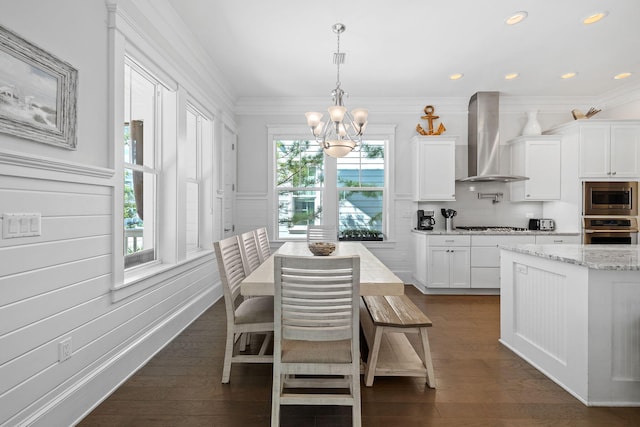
(610, 231)
(610, 198)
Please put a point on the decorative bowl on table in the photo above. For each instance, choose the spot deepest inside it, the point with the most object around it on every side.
(322, 248)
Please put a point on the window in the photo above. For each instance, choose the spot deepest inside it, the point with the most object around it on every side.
(305, 196)
(361, 189)
(199, 132)
(299, 185)
(140, 174)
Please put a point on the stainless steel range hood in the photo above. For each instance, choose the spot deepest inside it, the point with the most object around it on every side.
(484, 140)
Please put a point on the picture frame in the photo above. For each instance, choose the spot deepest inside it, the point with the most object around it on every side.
(38, 93)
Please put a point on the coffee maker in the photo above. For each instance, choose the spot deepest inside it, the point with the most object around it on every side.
(425, 220)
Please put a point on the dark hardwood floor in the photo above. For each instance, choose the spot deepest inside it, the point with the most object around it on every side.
(479, 383)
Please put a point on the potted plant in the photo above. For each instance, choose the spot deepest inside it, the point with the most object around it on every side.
(361, 234)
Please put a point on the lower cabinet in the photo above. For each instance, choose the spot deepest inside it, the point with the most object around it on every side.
(448, 261)
(469, 261)
(420, 258)
(485, 258)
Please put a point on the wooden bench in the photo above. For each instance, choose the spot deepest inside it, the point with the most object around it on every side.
(385, 322)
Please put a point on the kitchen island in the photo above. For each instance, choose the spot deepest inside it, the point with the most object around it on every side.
(573, 312)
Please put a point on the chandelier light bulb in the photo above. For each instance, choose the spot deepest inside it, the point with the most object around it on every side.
(313, 118)
(317, 130)
(337, 113)
(360, 116)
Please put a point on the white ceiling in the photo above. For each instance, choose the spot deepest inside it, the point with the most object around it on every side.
(408, 48)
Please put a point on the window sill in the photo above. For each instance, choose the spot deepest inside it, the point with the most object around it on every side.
(145, 277)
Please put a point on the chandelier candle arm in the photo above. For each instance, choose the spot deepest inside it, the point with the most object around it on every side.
(345, 131)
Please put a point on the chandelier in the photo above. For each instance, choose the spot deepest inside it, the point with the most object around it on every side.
(344, 132)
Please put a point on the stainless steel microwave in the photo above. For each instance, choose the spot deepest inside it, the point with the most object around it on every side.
(610, 198)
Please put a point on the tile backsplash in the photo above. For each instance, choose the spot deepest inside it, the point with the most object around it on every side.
(474, 211)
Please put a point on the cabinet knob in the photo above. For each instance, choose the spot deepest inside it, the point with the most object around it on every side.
(528, 195)
(613, 173)
(608, 173)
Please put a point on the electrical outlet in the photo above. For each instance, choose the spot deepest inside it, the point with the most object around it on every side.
(529, 215)
(64, 349)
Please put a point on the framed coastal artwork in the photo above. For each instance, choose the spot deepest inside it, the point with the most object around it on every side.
(38, 93)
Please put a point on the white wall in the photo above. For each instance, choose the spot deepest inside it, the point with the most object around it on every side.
(60, 284)
(253, 167)
(56, 28)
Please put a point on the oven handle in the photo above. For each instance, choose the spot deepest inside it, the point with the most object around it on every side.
(590, 231)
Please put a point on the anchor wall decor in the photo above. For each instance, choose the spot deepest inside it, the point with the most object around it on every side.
(430, 117)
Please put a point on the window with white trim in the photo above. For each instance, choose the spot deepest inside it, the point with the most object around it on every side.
(142, 96)
(361, 183)
(199, 132)
(299, 186)
(355, 202)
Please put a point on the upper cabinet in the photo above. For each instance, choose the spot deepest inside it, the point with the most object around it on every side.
(607, 149)
(434, 168)
(610, 151)
(538, 158)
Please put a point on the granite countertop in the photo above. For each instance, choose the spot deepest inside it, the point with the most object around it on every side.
(495, 233)
(597, 257)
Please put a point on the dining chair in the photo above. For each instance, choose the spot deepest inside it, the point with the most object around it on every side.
(249, 252)
(251, 315)
(264, 247)
(322, 233)
(316, 333)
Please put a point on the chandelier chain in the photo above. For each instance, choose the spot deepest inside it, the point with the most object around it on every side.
(338, 59)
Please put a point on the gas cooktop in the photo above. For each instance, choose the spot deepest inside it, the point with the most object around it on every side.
(492, 228)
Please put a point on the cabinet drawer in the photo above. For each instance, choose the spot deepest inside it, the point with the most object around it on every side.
(485, 256)
(558, 240)
(493, 240)
(449, 240)
(485, 277)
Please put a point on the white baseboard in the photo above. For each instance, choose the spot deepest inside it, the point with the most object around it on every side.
(85, 394)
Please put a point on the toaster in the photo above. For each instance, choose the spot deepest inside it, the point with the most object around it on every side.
(542, 224)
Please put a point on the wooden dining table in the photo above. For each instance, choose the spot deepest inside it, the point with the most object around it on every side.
(375, 277)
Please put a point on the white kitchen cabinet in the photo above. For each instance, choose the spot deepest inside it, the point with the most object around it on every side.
(550, 239)
(448, 261)
(538, 158)
(485, 258)
(420, 258)
(609, 150)
(434, 168)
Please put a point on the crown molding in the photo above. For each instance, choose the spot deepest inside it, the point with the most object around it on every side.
(248, 106)
(620, 96)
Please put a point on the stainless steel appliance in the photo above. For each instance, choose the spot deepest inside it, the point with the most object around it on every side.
(425, 220)
(610, 230)
(484, 140)
(610, 198)
(542, 224)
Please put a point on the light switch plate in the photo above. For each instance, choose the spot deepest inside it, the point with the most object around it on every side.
(21, 225)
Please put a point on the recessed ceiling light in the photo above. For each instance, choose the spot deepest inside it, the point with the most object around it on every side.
(622, 76)
(511, 76)
(516, 17)
(568, 75)
(456, 76)
(592, 19)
